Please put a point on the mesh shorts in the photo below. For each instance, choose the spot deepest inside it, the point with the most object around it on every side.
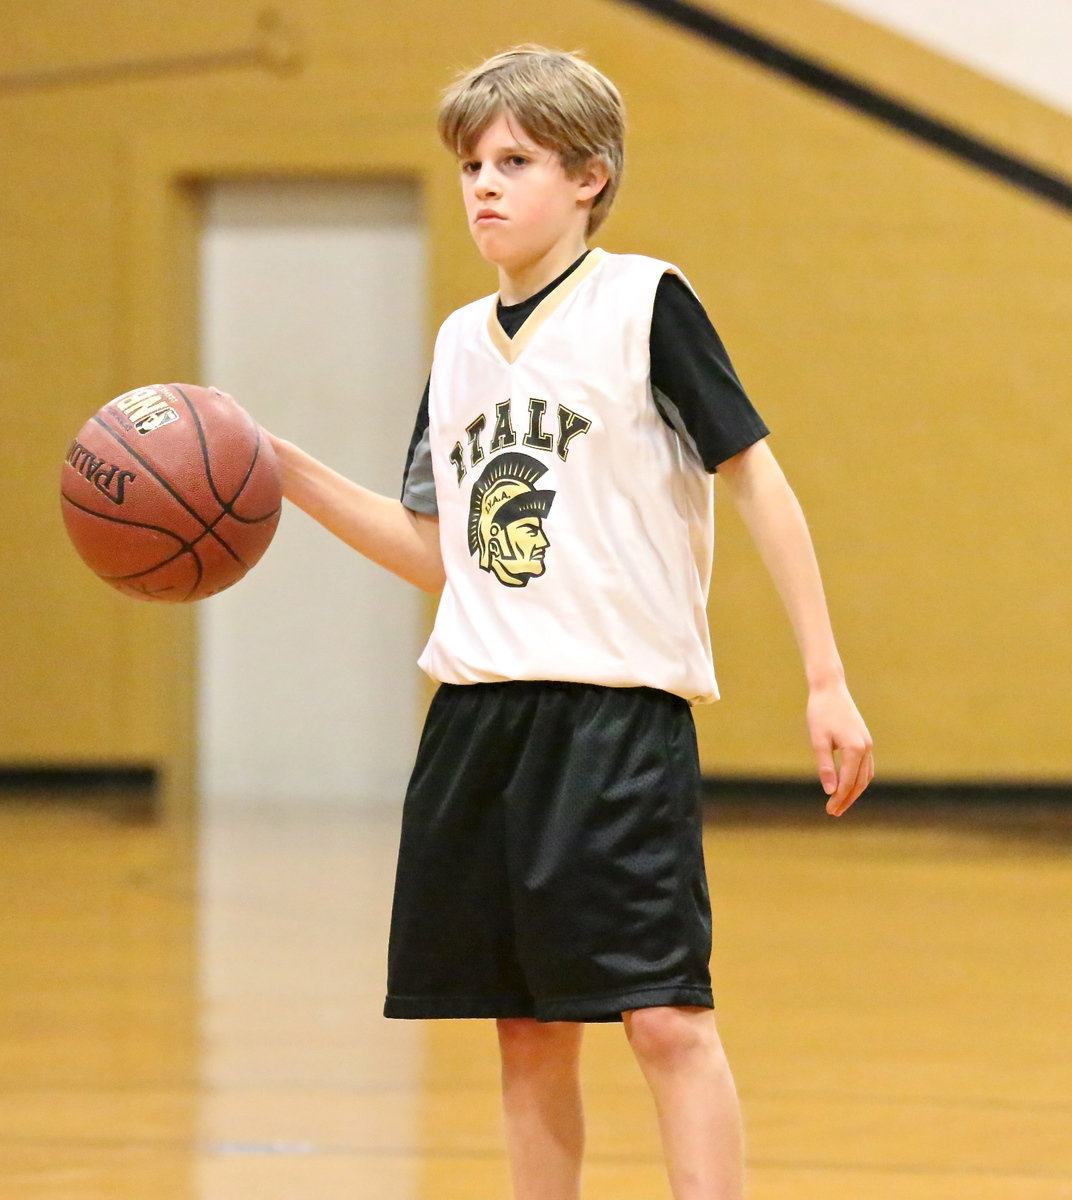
(551, 861)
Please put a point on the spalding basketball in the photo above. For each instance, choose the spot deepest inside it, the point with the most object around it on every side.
(171, 492)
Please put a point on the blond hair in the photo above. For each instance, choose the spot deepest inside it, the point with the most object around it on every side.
(560, 100)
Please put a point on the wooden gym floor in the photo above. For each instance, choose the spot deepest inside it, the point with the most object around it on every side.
(204, 1022)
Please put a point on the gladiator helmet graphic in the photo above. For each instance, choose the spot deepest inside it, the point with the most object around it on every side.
(506, 512)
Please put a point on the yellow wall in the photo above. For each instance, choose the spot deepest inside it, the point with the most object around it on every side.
(900, 320)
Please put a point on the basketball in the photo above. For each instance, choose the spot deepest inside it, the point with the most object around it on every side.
(171, 492)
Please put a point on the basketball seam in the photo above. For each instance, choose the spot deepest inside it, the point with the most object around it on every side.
(253, 462)
(208, 528)
(125, 520)
(156, 567)
(226, 505)
(185, 547)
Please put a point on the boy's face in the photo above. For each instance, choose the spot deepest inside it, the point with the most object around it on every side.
(517, 551)
(521, 205)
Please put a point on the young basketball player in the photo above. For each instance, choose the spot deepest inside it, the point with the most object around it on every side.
(558, 492)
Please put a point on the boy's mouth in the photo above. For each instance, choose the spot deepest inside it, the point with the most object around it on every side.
(487, 215)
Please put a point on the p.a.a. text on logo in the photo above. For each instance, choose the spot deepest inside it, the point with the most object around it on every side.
(108, 478)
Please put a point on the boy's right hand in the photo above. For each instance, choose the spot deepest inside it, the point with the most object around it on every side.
(842, 744)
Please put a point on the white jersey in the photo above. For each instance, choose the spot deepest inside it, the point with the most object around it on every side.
(576, 527)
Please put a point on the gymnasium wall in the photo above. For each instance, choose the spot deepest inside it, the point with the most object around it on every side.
(900, 319)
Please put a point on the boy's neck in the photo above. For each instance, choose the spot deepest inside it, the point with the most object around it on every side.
(516, 285)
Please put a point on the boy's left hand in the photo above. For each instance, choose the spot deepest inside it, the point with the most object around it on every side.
(842, 745)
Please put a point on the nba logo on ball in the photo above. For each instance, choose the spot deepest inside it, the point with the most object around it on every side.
(145, 408)
(179, 515)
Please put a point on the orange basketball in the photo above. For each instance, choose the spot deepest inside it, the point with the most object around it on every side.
(171, 492)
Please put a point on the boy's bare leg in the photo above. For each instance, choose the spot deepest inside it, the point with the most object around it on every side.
(681, 1056)
(541, 1092)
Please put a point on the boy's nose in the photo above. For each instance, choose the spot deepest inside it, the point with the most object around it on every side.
(486, 185)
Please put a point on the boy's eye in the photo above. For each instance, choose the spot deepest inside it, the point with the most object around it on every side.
(472, 166)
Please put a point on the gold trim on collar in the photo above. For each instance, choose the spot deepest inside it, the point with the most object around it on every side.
(510, 348)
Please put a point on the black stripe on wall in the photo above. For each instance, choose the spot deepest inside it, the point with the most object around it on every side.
(810, 73)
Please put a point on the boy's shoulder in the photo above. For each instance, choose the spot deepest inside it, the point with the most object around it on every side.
(627, 283)
(622, 262)
(627, 261)
(605, 262)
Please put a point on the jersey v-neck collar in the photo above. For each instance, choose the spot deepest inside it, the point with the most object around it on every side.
(509, 347)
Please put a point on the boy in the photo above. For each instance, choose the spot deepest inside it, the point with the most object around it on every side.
(558, 492)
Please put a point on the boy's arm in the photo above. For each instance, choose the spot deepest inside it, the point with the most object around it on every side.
(382, 529)
(774, 518)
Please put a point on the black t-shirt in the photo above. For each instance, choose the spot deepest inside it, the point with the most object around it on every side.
(696, 389)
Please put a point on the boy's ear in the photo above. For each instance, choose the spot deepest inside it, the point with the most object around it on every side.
(593, 178)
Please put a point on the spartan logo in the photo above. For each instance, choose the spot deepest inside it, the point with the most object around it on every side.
(506, 512)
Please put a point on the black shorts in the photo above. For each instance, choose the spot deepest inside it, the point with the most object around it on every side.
(551, 861)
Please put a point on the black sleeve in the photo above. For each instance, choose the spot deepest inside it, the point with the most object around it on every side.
(695, 386)
(418, 484)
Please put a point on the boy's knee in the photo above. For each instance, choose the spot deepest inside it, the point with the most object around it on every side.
(664, 1036)
(518, 1031)
(523, 1038)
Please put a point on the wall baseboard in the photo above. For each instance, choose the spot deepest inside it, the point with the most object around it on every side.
(137, 786)
(76, 775)
(751, 790)
(129, 793)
